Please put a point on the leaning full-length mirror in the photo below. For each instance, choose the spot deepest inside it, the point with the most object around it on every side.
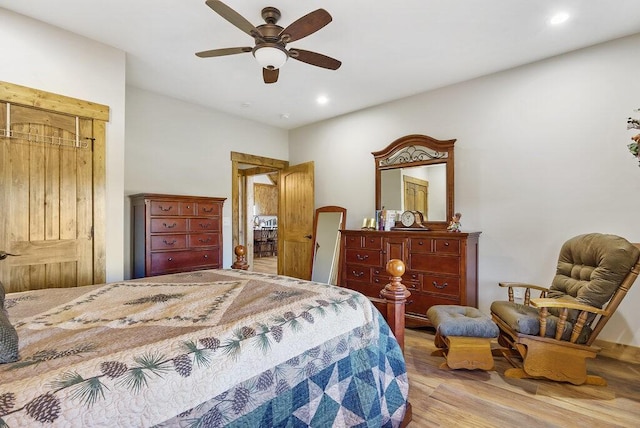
(328, 222)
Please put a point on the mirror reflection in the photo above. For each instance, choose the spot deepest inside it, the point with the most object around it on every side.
(329, 221)
(416, 173)
(419, 188)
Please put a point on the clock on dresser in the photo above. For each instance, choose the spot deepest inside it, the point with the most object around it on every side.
(410, 220)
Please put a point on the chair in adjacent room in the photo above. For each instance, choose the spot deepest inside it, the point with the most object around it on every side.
(260, 245)
(272, 242)
(552, 336)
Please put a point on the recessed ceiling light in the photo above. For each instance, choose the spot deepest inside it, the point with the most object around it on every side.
(559, 18)
(284, 115)
(245, 104)
(322, 99)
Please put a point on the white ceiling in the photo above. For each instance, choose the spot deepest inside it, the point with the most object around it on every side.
(388, 49)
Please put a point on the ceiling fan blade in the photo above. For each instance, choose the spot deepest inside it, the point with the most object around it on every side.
(270, 76)
(308, 24)
(223, 52)
(315, 58)
(233, 17)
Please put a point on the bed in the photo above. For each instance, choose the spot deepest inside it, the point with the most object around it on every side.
(202, 349)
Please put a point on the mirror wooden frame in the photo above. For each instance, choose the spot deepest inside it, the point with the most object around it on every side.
(343, 222)
(417, 150)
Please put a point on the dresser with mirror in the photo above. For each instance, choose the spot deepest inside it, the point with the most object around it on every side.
(415, 174)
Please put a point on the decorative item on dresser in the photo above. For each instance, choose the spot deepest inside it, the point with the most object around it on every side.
(174, 233)
(441, 267)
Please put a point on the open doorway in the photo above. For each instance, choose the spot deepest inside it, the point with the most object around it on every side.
(295, 210)
(255, 208)
(263, 208)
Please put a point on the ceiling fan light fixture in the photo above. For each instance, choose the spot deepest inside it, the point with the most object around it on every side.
(271, 57)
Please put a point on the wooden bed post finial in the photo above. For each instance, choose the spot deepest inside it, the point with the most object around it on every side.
(241, 261)
(396, 295)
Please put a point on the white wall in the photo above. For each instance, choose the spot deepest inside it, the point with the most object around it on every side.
(541, 156)
(179, 148)
(43, 57)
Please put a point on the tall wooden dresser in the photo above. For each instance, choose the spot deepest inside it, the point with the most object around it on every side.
(441, 267)
(175, 233)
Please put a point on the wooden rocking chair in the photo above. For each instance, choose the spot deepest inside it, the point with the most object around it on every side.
(552, 336)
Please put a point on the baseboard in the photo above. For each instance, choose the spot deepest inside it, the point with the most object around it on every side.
(619, 351)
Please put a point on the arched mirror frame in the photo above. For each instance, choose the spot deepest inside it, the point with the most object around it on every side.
(416, 150)
(335, 262)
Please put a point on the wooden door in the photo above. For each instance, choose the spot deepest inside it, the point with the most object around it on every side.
(51, 187)
(416, 195)
(295, 221)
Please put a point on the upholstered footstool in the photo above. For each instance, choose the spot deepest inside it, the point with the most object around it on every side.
(463, 335)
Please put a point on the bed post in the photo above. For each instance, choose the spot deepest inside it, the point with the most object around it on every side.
(241, 261)
(396, 295)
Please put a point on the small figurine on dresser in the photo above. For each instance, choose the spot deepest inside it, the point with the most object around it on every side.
(455, 225)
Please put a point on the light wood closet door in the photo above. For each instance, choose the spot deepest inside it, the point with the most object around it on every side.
(46, 199)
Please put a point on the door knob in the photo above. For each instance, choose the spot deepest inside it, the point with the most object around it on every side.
(308, 236)
(4, 255)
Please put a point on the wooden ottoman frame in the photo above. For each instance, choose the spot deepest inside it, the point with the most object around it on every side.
(462, 352)
(470, 347)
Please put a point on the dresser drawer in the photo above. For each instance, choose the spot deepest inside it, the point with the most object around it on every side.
(175, 261)
(418, 304)
(351, 241)
(364, 257)
(358, 273)
(437, 245)
(168, 242)
(434, 263)
(448, 246)
(407, 277)
(187, 208)
(381, 278)
(204, 240)
(164, 208)
(420, 245)
(208, 209)
(441, 284)
(204, 224)
(169, 224)
(412, 280)
(372, 242)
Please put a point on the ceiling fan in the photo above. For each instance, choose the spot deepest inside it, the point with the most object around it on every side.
(271, 39)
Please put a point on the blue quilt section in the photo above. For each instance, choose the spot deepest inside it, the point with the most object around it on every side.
(366, 388)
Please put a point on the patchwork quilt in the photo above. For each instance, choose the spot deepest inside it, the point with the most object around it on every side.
(202, 349)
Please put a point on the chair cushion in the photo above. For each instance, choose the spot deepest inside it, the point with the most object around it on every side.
(592, 266)
(453, 320)
(8, 334)
(526, 320)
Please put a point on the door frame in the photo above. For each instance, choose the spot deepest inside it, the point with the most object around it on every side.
(260, 165)
(99, 115)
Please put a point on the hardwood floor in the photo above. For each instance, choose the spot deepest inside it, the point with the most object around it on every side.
(265, 265)
(463, 398)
